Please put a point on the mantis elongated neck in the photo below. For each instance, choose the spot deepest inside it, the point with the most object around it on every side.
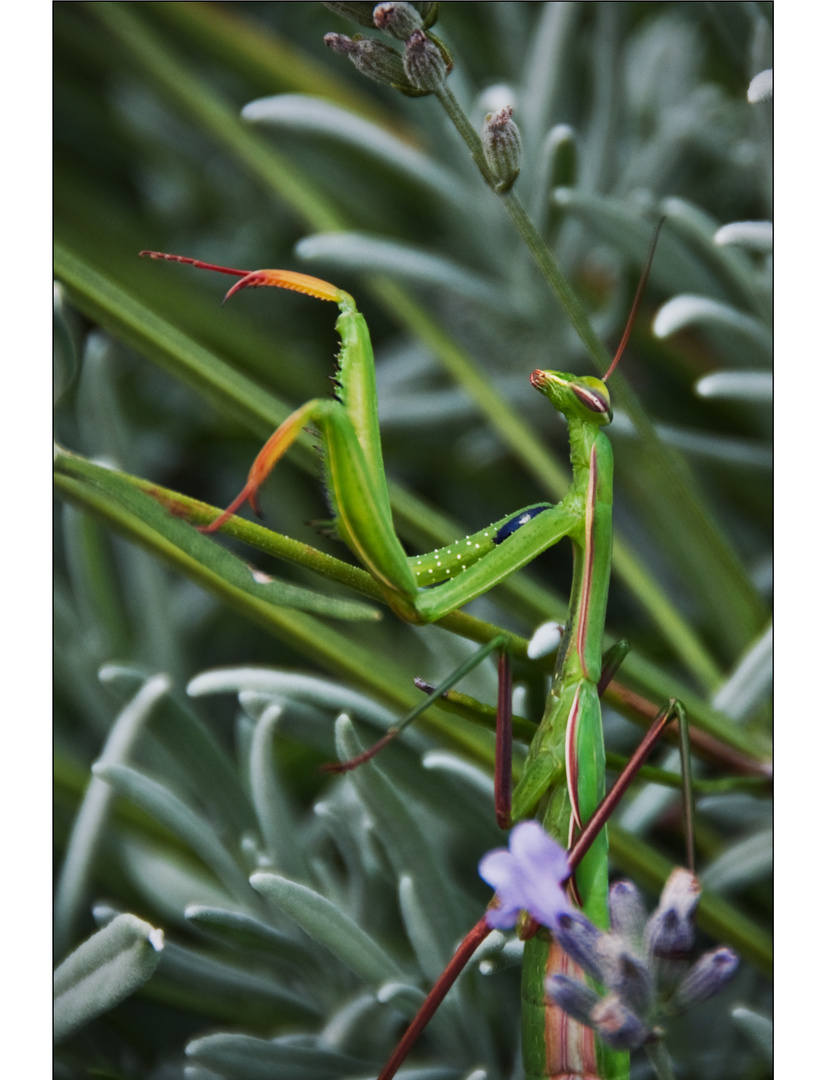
(583, 437)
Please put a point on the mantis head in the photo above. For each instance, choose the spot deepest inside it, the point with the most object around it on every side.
(580, 397)
(583, 397)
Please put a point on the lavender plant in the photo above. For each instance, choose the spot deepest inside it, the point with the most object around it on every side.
(243, 915)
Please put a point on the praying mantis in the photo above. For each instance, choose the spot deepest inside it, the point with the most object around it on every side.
(563, 779)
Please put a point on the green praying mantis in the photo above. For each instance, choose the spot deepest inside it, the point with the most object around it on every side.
(563, 779)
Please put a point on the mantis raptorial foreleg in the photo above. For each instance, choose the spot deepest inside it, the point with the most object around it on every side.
(348, 427)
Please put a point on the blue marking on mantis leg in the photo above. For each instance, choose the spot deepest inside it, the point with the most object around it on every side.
(516, 522)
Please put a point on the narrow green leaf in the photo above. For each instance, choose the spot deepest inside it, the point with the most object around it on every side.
(244, 1057)
(198, 753)
(758, 1029)
(756, 235)
(92, 817)
(688, 310)
(218, 977)
(331, 927)
(408, 847)
(275, 818)
(364, 252)
(100, 973)
(168, 878)
(317, 117)
(244, 930)
(737, 386)
(182, 820)
(187, 546)
(742, 864)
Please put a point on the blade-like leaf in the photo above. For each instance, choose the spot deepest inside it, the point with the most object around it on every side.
(330, 926)
(100, 973)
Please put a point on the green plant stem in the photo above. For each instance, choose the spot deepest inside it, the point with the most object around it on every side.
(660, 1060)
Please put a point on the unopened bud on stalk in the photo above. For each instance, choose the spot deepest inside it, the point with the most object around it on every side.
(625, 974)
(617, 1024)
(398, 19)
(627, 912)
(710, 974)
(580, 940)
(372, 58)
(424, 63)
(501, 141)
(576, 998)
(670, 927)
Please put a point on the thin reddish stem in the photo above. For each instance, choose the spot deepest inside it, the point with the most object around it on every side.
(359, 759)
(439, 991)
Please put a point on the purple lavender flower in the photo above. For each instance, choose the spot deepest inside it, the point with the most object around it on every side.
(529, 877)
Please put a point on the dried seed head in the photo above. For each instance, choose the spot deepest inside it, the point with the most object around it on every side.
(398, 19)
(424, 62)
(501, 141)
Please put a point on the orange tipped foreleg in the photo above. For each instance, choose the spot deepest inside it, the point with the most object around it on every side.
(274, 449)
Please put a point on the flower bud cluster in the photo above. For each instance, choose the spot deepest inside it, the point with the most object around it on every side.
(425, 63)
(644, 966)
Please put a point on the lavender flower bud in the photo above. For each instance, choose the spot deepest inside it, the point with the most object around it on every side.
(372, 58)
(501, 141)
(669, 930)
(398, 19)
(576, 998)
(627, 912)
(710, 974)
(424, 63)
(580, 940)
(625, 974)
(617, 1025)
(360, 13)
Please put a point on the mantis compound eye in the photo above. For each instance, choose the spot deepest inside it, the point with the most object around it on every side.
(593, 394)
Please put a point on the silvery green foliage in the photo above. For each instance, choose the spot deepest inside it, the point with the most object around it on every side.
(203, 817)
(344, 911)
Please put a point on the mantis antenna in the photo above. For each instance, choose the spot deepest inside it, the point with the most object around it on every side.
(637, 299)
